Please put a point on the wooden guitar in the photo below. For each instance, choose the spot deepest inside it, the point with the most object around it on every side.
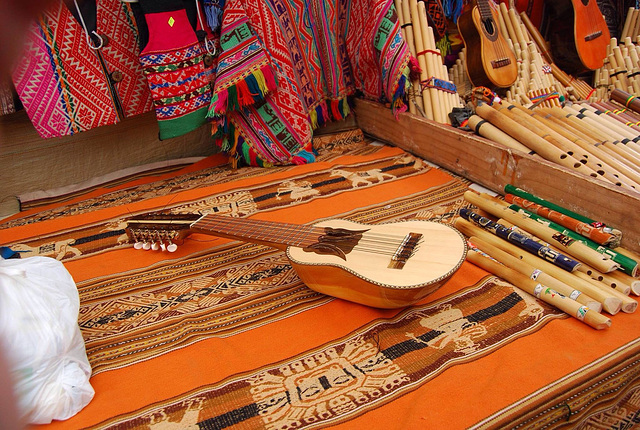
(389, 265)
(578, 34)
(490, 61)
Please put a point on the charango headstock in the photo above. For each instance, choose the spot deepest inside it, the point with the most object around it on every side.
(159, 231)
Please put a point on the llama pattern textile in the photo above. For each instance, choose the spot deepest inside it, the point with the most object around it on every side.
(288, 66)
(66, 86)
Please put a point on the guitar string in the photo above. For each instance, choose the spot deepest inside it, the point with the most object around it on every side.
(370, 242)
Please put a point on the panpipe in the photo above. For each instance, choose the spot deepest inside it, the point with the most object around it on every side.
(621, 69)
(540, 81)
(631, 26)
(526, 252)
(434, 95)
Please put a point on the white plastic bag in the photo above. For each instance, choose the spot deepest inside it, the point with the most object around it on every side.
(41, 339)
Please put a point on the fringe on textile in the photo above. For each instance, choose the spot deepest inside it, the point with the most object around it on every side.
(329, 110)
(410, 73)
(251, 89)
(213, 11)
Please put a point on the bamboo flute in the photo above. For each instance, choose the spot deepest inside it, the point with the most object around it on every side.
(627, 264)
(422, 61)
(511, 32)
(517, 29)
(616, 109)
(529, 118)
(627, 100)
(535, 274)
(524, 194)
(629, 22)
(503, 26)
(486, 129)
(602, 160)
(595, 234)
(590, 275)
(591, 134)
(407, 35)
(437, 106)
(571, 307)
(628, 306)
(627, 149)
(536, 37)
(620, 115)
(531, 140)
(634, 283)
(574, 248)
(521, 240)
(611, 282)
(620, 129)
(610, 304)
(590, 127)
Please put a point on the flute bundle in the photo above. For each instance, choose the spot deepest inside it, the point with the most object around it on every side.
(594, 139)
(517, 243)
(433, 95)
(621, 69)
(631, 26)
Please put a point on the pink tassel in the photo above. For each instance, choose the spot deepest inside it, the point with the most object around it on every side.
(221, 104)
(269, 78)
(298, 160)
(325, 111)
(414, 69)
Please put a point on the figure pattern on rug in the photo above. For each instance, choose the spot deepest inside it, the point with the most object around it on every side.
(367, 368)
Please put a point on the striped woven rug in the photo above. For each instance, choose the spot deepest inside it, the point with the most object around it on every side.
(223, 334)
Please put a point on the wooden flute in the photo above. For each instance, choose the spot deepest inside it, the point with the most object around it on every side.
(529, 245)
(534, 273)
(546, 294)
(610, 303)
(574, 248)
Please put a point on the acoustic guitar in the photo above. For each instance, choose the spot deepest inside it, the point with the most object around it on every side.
(578, 34)
(490, 61)
(390, 265)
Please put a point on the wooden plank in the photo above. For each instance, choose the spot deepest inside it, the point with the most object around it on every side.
(493, 166)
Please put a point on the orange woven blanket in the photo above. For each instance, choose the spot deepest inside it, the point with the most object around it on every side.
(222, 334)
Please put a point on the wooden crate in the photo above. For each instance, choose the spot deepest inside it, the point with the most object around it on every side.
(494, 166)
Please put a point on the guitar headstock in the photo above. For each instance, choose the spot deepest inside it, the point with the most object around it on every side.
(159, 231)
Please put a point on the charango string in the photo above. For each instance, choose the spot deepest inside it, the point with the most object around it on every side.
(297, 235)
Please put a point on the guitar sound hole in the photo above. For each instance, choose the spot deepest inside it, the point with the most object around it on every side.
(489, 27)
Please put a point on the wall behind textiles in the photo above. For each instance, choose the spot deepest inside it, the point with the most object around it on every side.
(29, 163)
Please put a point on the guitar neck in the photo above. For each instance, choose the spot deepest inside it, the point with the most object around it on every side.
(274, 234)
(485, 9)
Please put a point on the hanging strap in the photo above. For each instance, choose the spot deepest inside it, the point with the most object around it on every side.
(86, 31)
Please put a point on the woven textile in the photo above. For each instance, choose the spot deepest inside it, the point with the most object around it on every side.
(288, 66)
(66, 86)
(173, 61)
(223, 334)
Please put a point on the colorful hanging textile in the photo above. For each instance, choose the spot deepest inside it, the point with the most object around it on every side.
(288, 66)
(174, 64)
(66, 86)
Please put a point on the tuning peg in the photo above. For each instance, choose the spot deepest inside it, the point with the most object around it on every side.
(163, 247)
(155, 246)
(172, 247)
(146, 246)
(138, 245)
